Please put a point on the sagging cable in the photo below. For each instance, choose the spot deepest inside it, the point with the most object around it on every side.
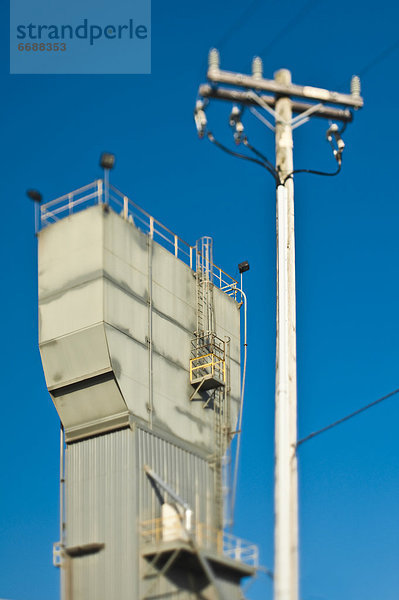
(262, 157)
(337, 144)
(212, 139)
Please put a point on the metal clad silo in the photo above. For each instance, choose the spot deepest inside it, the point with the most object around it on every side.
(148, 393)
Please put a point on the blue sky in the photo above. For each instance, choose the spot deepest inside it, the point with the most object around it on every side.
(53, 129)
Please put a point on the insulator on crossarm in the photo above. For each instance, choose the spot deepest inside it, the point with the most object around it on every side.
(239, 132)
(355, 86)
(213, 59)
(257, 67)
(200, 118)
(235, 116)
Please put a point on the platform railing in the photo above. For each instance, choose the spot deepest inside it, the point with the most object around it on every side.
(205, 366)
(93, 193)
(152, 533)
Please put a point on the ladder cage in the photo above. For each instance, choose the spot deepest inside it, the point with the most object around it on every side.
(204, 258)
(208, 361)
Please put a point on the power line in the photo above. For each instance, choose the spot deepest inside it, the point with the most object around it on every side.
(244, 17)
(237, 24)
(212, 139)
(350, 416)
(379, 58)
(314, 172)
(290, 25)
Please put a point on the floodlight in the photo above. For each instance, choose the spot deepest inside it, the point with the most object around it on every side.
(107, 160)
(34, 195)
(244, 266)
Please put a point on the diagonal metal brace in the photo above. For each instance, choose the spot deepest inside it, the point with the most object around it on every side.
(164, 569)
(197, 389)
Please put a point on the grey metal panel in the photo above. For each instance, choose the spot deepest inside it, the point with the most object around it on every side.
(123, 240)
(70, 251)
(75, 356)
(130, 360)
(227, 317)
(108, 494)
(172, 275)
(173, 411)
(125, 275)
(90, 404)
(125, 312)
(189, 475)
(100, 507)
(170, 340)
(169, 304)
(69, 310)
(117, 277)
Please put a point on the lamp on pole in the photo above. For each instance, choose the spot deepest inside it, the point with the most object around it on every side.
(107, 162)
(36, 196)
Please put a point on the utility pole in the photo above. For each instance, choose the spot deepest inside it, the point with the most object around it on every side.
(286, 486)
(286, 99)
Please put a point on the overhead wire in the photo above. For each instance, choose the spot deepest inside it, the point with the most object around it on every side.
(344, 419)
(266, 164)
(259, 154)
(290, 25)
(313, 172)
(249, 11)
(378, 58)
(212, 139)
(333, 136)
(237, 24)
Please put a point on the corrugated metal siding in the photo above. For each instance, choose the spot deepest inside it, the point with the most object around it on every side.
(189, 475)
(192, 479)
(100, 507)
(108, 494)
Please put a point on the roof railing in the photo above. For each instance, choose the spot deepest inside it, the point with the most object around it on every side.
(93, 193)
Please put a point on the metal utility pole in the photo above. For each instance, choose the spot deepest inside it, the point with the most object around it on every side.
(248, 91)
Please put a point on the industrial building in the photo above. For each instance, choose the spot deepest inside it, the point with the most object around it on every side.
(139, 336)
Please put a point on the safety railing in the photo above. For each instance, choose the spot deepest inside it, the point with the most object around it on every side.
(96, 193)
(207, 366)
(155, 532)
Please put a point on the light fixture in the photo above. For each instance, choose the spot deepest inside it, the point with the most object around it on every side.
(244, 266)
(107, 160)
(34, 195)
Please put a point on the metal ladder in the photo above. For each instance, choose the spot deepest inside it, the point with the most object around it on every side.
(204, 263)
(219, 397)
